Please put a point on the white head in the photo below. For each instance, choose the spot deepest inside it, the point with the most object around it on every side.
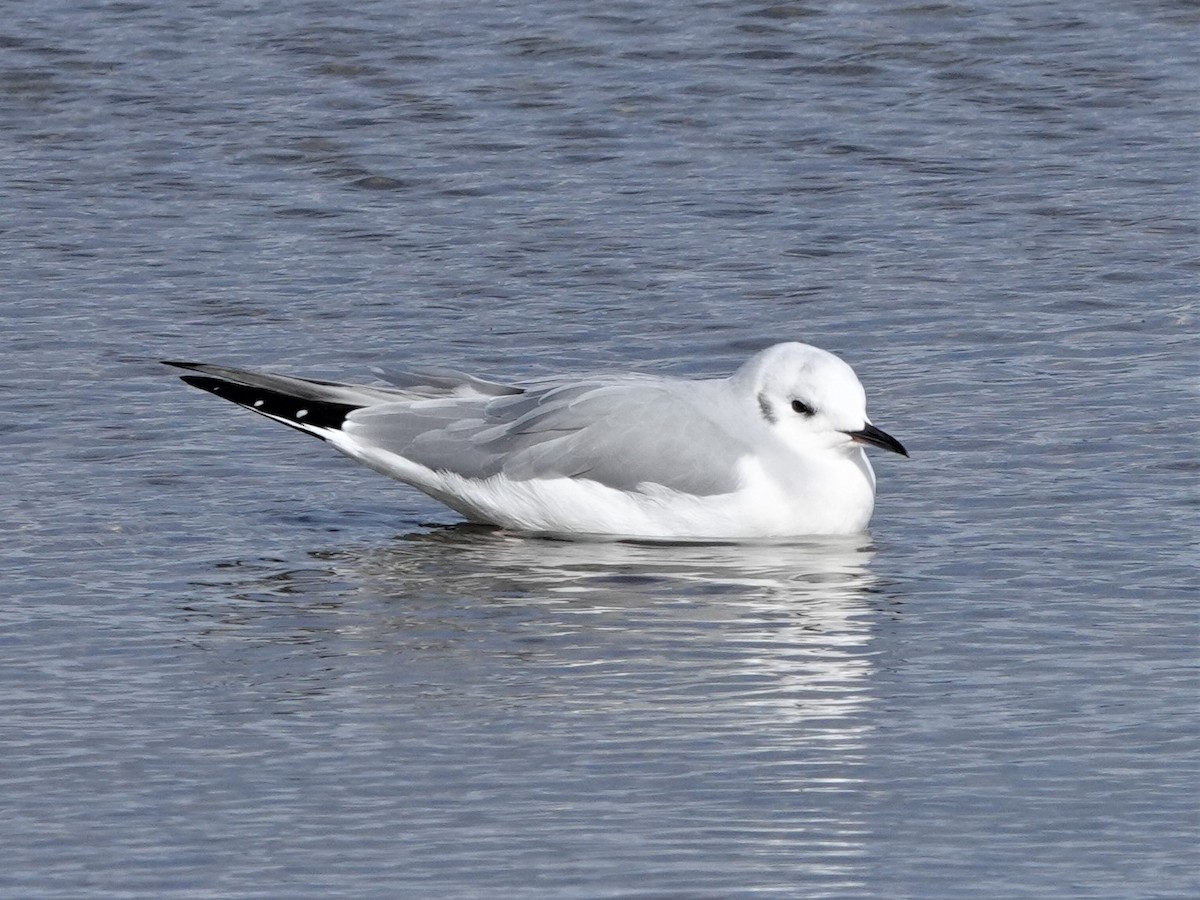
(811, 399)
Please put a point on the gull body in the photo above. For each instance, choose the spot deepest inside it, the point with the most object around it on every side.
(775, 450)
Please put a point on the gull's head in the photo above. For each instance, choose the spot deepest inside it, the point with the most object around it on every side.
(811, 399)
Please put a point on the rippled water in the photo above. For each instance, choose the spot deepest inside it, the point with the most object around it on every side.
(233, 664)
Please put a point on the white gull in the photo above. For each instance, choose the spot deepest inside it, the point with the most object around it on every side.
(773, 451)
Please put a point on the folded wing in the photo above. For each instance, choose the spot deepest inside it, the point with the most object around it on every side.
(630, 434)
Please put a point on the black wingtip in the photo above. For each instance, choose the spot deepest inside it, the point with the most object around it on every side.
(179, 364)
(307, 415)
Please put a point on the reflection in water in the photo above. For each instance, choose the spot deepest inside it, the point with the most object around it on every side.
(796, 615)
(615, 569)
(793, 617)
(712, 689)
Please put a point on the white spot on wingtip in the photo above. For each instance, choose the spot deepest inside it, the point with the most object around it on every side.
(258, 403)
(301, 413)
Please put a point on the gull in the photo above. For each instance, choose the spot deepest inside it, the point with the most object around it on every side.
(773, 451)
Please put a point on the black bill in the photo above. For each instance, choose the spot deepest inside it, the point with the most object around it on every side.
(877, 438)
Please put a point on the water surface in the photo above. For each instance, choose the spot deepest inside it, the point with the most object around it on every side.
(234, 664)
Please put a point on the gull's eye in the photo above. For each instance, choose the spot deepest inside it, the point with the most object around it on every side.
(803, 408)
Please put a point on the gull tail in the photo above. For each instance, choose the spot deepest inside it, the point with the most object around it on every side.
(314, 407)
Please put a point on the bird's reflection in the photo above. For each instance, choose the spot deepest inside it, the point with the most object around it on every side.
(799, 610)
(787, 623)
(814, 570)
(754, 660)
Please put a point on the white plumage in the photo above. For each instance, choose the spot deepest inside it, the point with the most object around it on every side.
(774, 450)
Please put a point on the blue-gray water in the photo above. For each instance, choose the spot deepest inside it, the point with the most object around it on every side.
(233, 664)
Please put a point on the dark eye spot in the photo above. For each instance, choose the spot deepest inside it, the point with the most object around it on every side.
(803, 408)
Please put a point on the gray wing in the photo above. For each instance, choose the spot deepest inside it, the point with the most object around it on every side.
(623, 434)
